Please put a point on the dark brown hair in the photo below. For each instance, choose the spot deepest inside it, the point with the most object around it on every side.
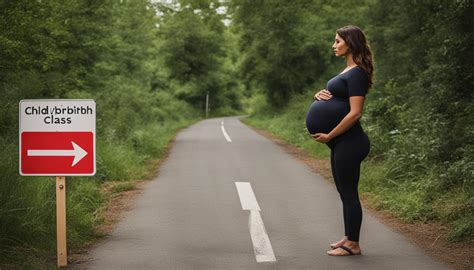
(360, 49)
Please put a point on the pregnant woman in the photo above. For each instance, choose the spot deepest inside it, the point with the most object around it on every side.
(333, 118)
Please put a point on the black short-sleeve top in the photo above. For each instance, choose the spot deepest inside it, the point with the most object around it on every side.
(325, 115)
(354, 82)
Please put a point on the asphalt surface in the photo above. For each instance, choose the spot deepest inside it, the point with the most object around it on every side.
(191, 217)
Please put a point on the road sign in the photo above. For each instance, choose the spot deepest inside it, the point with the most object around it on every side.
(57, 137)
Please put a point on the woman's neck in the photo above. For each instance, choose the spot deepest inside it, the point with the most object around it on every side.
(350, 61)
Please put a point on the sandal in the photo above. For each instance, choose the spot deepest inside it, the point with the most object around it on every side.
(350, 253)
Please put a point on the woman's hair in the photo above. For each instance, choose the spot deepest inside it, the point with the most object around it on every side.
(360, 49)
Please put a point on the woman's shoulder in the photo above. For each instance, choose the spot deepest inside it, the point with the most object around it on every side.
(358, 72)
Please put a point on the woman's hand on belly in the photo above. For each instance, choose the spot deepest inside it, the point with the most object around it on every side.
(321, 137)
(323, 95)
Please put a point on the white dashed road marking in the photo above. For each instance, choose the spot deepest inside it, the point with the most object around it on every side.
(225, 133)
(260, 240)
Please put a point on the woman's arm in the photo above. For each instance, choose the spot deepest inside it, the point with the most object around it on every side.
(357, 106)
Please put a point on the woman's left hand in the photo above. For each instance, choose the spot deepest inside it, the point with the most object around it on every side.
(321, 137)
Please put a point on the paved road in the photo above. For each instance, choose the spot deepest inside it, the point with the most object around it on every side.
(191, 215)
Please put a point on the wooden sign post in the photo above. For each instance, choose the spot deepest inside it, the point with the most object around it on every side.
(61, 220)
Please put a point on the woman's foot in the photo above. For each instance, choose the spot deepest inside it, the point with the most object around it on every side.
(349, 248)
(340, 243)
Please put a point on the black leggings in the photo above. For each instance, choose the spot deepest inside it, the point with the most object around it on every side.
(346, 155)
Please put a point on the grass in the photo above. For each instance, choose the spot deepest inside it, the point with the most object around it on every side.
(121, 187)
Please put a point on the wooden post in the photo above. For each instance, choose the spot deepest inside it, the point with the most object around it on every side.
(61, 220)
(207, 103)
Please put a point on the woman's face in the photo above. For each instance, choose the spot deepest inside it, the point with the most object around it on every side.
(340, 47)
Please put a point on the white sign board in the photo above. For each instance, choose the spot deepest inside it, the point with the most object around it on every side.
(57, 137)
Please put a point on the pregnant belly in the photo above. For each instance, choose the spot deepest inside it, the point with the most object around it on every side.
(324, 115)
